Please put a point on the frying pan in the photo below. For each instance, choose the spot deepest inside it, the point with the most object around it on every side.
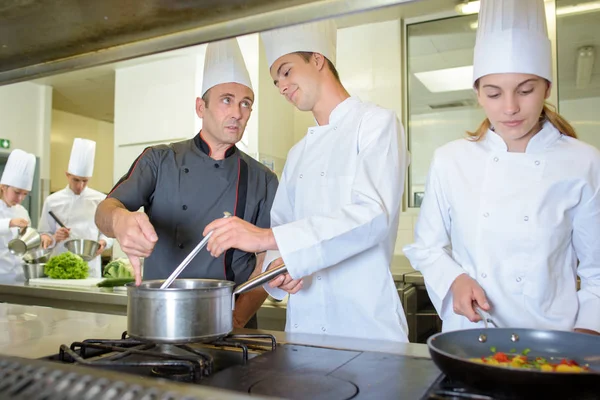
(451, 352)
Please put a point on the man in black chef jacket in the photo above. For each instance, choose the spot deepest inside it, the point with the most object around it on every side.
(185, 185)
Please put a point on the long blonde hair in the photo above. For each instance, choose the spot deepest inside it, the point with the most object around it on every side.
(548, 113)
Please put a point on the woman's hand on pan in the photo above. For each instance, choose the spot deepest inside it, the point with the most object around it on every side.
(467, 294)
(588, 331)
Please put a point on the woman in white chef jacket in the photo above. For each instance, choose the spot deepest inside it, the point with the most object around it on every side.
(15, 184)
(511, 214)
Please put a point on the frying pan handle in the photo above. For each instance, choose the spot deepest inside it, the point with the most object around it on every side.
(58, 221)
(260, 279)
(485, 316)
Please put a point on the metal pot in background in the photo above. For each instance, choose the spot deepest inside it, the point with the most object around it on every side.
(28, 239)
(190, 310)
(34, 270)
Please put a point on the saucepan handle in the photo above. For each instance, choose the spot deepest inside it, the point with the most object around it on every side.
(258, 281)
(261, 279)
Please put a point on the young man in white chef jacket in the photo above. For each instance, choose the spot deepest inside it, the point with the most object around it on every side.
(511, 214)
(335, 216)
(75, 205)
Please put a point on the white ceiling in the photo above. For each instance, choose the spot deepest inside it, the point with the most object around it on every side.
(439, 44)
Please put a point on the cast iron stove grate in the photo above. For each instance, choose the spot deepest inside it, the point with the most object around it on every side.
(180, 362)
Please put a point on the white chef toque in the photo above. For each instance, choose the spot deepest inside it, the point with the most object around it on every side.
(512, 37)
(315, 37)
(224, 63)
(19, 170)
(81, 162)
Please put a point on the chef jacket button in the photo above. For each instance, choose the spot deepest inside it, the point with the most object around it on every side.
(311, 131)
(335, 128)
(526, 218)
(318, 278)
(301, 176)
(486, 214)
(537, 162)
(295, 325)
(496, 159)
(483, 275)
(180, 245)
(186, 170)
(216, 165)
(184, 207)
(322, 173)
(518, 279)
(323, 329)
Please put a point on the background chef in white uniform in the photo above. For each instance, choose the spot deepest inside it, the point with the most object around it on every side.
(335, 215)
(16, 182)
(510, 210)
(76, 204)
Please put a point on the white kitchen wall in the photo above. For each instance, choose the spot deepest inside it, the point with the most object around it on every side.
(25, 117)
(154, 103)
(65, 128)
(275, 119)
(250, 48)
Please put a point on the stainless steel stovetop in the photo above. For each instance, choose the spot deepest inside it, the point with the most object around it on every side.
(255, 364)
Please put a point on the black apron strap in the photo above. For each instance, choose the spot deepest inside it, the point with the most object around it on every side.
(240, 208)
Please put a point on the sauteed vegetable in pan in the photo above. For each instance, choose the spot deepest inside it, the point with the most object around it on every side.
(522, 361)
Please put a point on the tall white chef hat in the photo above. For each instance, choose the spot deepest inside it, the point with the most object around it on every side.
(512, 37)
(19, 170)
(315, 37)
(224, 63)
(81, 162)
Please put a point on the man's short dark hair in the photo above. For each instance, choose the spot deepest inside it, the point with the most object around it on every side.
(205, 98)
(306, 55)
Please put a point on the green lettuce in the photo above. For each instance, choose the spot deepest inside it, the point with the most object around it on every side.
(67, 266)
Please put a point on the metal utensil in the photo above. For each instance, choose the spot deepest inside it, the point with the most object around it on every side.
(486, 317)
(58, 221)
(62, 225)
(190, 257)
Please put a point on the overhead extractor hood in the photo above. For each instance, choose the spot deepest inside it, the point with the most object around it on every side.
(44, 37)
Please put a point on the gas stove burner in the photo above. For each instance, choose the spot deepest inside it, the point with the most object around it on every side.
(175, 373)
(178, 362)
(300, 387)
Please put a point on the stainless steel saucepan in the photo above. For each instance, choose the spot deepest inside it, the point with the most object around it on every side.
(190, 310)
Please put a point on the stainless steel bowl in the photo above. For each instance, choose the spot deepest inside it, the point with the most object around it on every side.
(84, 248)
(34, 270)
(28, 239)
(38, 255)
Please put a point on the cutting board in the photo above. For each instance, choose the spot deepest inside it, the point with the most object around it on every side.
(87, 282)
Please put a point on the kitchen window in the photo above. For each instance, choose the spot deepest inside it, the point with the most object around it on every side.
(578, 46)
(441, 104)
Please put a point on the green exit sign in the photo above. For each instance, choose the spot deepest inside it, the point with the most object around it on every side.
(4, 144)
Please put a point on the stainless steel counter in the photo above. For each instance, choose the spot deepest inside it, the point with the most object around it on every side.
(107, 301)
(98, 300)
(34, 332)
